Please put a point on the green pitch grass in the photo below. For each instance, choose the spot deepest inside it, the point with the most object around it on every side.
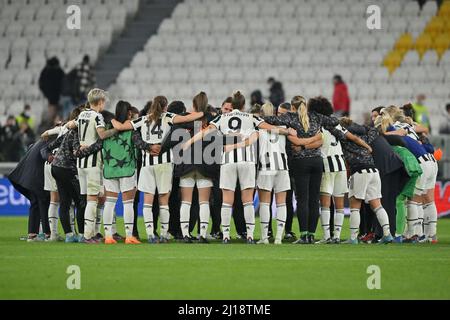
(216, 271)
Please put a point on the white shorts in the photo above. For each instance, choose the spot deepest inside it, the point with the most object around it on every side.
(154, 177)
(276, 180)
(195, 178)
(49, 181)
(91, 181)
(334, 183)
(365, 186)
(231, 172)
(120, 184)
(428, 178)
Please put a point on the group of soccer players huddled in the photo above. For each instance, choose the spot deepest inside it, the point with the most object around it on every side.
(96, 155)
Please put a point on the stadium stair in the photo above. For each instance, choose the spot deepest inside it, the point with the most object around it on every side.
(146, 22)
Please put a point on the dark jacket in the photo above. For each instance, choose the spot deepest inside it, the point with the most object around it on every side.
(28, 176)
(51, 81)
(276, 94)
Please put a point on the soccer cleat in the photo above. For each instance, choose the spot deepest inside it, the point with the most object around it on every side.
(109, 240)
(290, 236)
(386, 239)
(217, 235)
(324, 241)
(251, 241)
(117, 237)
(422, 239)
(263, 241)
(163, 240)
(33, 238)
(153, 240)
(368, 238)
(398, 239)
(203, 240)
(226, 241)
(351, 241)
(311, 239)
(302, 240)
(432, 239)
(99, 237)
(89, 241)
(71, 239)
(187, 239)
(413, 239)
(55, 238)
(278, 242)
(132, 240)
(335, 241)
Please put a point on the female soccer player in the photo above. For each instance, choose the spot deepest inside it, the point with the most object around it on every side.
(239, 163)
(157, 168)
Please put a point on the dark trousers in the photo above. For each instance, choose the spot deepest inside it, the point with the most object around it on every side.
(215, 206)
(289, 203)
(238, 212)
(136, 213)
(308, 176)
(194, 215)
(174, 208)
(69, 190)
(38, 212)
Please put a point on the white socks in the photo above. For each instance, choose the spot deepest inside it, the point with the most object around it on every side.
(108, 216)
(148, 220)
(430, 219)
(164, 216)
(264, 215)
(53, 218)
(281, 220)
(412, 218)
(338, 222)
(249, 214)
(204, 218)
(355, 220)
(185, 213)
(128, 217)
(226, 220)
(98, 219)
(325, 222)
(89, 219)
(419, 225)
(383, 219)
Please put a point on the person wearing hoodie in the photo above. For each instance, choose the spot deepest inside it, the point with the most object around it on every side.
(341, 97)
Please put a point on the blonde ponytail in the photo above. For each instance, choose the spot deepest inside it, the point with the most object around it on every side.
(299, 103)
(383, 121)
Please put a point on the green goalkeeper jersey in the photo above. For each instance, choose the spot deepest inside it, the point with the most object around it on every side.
(119, 156)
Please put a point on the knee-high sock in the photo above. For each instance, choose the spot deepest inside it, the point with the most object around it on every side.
(108, 216)
(383, 219)
(128, 217)
(264, 216)
(419, 225)
(98, 218)
(185, 213)
(400, 218)
(72, 217)
(412, 217)
(325, 221)
(164, 215)
(204, 218)
(355, 220)
(338, 222)
(281, 220)
(226, 220)
(148, 220)
(430, 219)
(114, 223)
(53, 217)
(89, 219)
(249, 214)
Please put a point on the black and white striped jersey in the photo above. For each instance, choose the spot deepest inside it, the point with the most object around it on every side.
(236, 126)
(154, 132)
(88, 122)
(272, 151)
(332, 154)
(409, 128)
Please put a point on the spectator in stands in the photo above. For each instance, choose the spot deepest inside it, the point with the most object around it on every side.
(84, 79)
(256, 98)
(421, 114)
(445, 124)
(50, 83)
(276, 92)
(341, 98)
(25, 117)
(10, 140)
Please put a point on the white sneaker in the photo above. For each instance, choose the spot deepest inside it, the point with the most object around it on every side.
(278, 241)
(263, 241)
